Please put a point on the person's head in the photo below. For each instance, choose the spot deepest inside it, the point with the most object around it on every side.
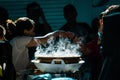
(2, 32)
(33, 10)
(70, 13)
(10, 29)
(25, 26)
(3, 15)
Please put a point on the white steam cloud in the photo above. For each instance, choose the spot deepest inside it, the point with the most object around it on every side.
(63, 47)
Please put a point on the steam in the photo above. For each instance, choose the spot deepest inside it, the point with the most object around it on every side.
(63, 47)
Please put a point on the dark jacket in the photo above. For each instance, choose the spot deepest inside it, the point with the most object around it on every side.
(6, 57)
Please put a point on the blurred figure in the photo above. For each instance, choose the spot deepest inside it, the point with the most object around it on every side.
(5, 21)
(25, 39)
(35, 12)
(83, 31)
(94, 55)
(3, 16)
(8, 71)
(110, 43)
(11, 29)
(79, 28)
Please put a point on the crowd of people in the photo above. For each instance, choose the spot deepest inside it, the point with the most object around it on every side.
(100, 43)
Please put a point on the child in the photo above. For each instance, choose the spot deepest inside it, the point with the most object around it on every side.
(24, 40)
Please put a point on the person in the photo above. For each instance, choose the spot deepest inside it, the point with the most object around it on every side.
(3, 17)
(92, 54)
(8, 70)
(25, 39)
(92, 50)
(82, 30)
(110, 43)
(35, 12)
(11, 29)
(6, 23)
(79, 28)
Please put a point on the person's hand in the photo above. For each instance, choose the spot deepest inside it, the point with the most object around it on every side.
(67, 34)
(58, 34)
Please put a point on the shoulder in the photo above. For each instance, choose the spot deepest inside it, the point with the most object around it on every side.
(21, 40)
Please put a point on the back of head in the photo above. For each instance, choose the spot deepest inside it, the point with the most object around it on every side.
(10, 29)
(23, 23)
(10, 26)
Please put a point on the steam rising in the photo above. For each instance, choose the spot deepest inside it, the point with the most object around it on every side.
(60, 48)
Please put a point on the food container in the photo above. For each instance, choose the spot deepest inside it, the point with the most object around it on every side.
(58, 64)
(58, 60)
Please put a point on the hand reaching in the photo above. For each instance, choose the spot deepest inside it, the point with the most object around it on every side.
(66, 34)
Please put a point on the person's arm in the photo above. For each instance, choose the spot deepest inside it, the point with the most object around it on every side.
(43, 39)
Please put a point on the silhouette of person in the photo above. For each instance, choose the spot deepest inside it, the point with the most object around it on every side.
(3, 18)
(81, 29)
(7, 23)
(94, 55)
(35, 12)
(11, 29)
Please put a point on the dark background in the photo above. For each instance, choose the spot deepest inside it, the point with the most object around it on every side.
(53, 9)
